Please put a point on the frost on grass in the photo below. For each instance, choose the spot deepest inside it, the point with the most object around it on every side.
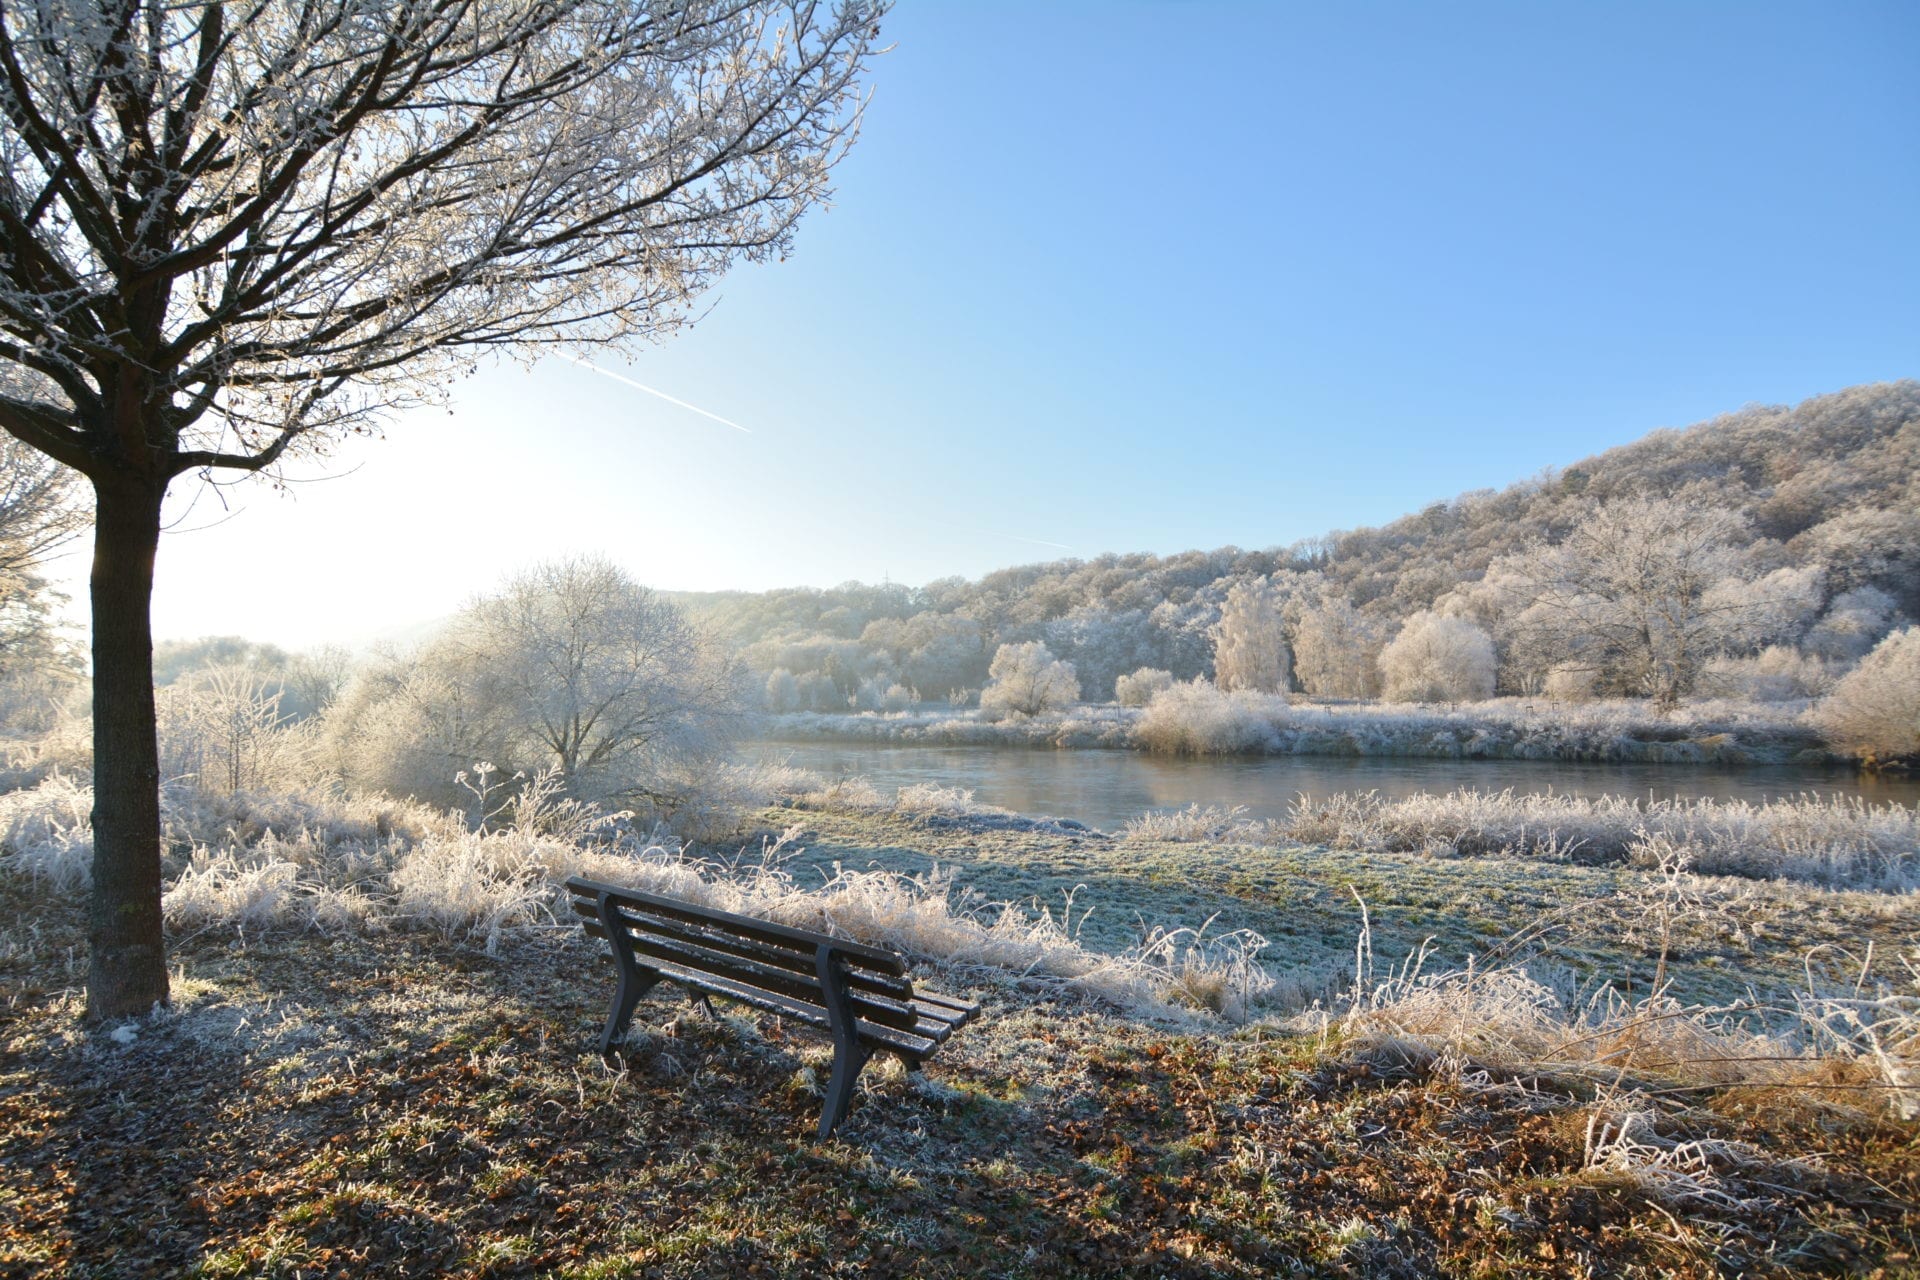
(46, 832)
(1855, 1047)
(338, 865)
(1835, 841)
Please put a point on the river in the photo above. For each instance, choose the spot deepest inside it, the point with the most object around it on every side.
(1105, 788)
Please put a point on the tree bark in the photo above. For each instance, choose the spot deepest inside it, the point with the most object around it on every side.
(128, 975)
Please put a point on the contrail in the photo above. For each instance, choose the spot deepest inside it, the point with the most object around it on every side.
(1017, 537)
(641, 386)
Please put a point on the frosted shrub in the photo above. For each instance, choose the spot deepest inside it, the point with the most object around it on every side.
(1137, 690)
(1853, 624)
(927, 799)
(46, 833)
(221, 889)
(871, 695)
(854, 794)
(221, 730)
(1197, 718)
(1837, 842)
(1197, 824)
(1028, 681)
(1778, 673)
(1874, 712)
(1221, 973)
(1438, 659)
(1571, 684)
(477, 885)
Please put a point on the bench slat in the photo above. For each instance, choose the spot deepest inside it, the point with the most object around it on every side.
(710, 937)
(964, 1010)
(939, 1013)
(698, 959)
(918, 1043)
(747, 926)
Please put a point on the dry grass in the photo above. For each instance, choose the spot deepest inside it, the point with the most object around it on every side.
(1837, 841)
(395, 1098)
(319, 860)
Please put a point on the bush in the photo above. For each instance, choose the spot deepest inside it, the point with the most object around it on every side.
(1874, 712)
(1778, 673)
(222, 730)
(1198, 719)
(1137, 690)
(1438, 659)
(1028, 680)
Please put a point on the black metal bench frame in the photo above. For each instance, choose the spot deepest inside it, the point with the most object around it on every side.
(859, 995)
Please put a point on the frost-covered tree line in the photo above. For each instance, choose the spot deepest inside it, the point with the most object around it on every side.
(1759, 555)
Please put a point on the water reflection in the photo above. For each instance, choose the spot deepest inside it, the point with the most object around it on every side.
(1105, 788)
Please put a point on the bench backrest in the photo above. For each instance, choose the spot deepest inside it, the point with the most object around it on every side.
(680, 939)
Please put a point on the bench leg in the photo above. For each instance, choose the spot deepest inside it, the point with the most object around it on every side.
(849, 1054)
(634, 983)
(846, 1073)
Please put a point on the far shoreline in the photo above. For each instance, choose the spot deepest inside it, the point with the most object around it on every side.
(1721, 733)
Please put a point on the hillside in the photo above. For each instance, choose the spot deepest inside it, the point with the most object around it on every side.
(1832, 483)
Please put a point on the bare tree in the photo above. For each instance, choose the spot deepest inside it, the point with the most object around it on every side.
(235, 232)
(571, 666)
(1642, 591)
(600, 676)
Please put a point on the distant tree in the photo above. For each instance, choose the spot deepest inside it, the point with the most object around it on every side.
(1874, 712)
(571, 666)
(173, 659)
(1643, 591)
(1249, 647)
(238, 231)
(38, 515)
(1027, 680)
(1335, 649)
(1103, 644)
(782, 691)
(223, 730)
(1438, 659)
(313, 679)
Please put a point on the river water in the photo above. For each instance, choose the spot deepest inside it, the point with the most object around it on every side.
(1103, 788)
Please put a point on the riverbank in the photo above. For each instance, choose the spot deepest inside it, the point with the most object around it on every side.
(1615, 732)
(1195, 1060)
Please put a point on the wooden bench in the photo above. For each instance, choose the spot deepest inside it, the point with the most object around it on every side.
(860, 995)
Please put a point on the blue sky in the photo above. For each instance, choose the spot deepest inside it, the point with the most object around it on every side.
(1153, 276)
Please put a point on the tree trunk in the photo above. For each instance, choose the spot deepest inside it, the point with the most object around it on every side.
(129, 970)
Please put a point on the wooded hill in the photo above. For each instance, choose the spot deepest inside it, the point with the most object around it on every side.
(1832, 483)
